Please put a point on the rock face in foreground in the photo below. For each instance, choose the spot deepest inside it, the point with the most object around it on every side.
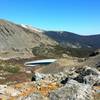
(72, 91)
(88, 75)
(77, 84)
(59, 86)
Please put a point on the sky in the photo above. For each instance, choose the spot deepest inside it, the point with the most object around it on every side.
(78, 16)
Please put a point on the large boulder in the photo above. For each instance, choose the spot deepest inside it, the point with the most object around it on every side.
(72, 91)
(88, 75)
(37, 76)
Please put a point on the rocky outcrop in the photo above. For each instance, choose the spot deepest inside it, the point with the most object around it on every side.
(70, 84)
(88, 75)
(76, 84)
(72, 91)
(37, 76)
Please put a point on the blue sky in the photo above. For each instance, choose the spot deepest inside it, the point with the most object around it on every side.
(79, 16)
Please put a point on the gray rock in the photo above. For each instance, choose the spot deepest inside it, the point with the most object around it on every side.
(87, 71)
(34, 96)
(91, 79)
(72, 91)
(2, 89)
(37, 76)
(88, 75)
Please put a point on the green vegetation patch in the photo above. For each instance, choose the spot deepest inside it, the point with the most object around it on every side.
(8, 67)
(58, 51)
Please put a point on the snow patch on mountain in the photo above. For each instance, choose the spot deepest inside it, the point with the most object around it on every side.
(31, 28)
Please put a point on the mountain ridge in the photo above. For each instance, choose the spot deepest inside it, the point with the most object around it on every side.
(68, 37)
(19, 40)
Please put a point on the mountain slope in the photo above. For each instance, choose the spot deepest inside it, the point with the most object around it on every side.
(69, 39)
(18, 39)
(24, 41)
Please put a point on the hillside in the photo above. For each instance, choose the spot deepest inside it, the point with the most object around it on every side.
(17, 41)
(69, 39)
(24, 41)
